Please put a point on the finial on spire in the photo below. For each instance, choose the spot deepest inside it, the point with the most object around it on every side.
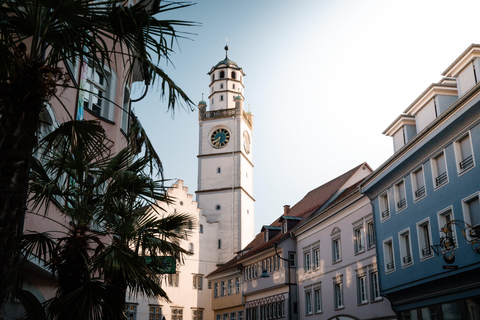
(226, 48)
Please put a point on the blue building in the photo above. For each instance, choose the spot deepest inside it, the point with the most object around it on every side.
(425, 200)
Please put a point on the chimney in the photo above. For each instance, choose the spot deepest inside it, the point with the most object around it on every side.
(286, 209)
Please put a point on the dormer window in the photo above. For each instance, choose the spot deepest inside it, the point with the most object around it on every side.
(285, 227)
(265, 236)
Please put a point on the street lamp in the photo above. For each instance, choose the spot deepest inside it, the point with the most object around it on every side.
(289, 284)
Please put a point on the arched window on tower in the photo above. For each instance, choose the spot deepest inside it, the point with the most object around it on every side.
(233, 86)
(234, 75)
(213, 77)
(222, 74)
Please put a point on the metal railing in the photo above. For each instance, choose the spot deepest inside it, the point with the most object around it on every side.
(441, 179)
(426, 252)
(407, 259)
(402, 203)
(390, 265)
(420, 192)
(385, 213)
(466, 163)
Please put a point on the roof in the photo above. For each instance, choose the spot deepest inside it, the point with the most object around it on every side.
(303, 209)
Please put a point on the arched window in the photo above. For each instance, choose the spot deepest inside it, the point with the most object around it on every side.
(222, 74)
(234, 75)
(219, 170)
(200, 228)
(221, 98)
(213, 77)
(233, 86)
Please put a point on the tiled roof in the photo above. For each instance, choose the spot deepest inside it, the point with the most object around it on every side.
(303, 209)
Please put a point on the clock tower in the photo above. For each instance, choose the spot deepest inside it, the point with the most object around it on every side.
(225, 167)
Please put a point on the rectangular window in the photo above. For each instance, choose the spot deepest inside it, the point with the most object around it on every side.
(317, 299)
(362, 289)
(464, 154)
(375, 286)
(225, 316)
(223, 288)
(233, 315)
(155, 313)
(291, 259)
(131, 311)
(177, 314)
(439, 170)
(197, 314)
(100, 85)
(444, 219)
(388, 255)
(173, 279)
(371, 234)
(285, 227)
(358, 240)
(405, 248)
(240, 315)
(384, 206)
(418, 184)
(237, 284)
(307, 261)
(308, 302)
(219, 317)
(197, 282)
(400, 197)
(338, 294)
(471, 212)
(424, 239)
(316, 258)
(230, 286)
(336, 250)
(215, 290)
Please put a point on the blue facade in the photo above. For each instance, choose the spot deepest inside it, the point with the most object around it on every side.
(419, 276)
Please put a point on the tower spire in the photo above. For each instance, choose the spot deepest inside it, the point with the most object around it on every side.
(226, 49)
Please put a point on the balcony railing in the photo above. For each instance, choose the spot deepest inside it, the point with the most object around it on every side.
(441, 179)
(466, 163)
(385, 213)
(426, 252)
(390, 265)
(407, 259)
(420, 192)
(402, 203)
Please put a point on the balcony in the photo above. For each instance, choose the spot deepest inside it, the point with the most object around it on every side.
(426, 252)
(402, 204)
(466, 163)
(407, 259)
(441, 179)
(420, 193)
(385, 213)
(390, 266)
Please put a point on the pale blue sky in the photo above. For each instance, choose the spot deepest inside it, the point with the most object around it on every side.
(324, 79)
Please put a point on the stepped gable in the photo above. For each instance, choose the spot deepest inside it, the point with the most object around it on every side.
(304, 209)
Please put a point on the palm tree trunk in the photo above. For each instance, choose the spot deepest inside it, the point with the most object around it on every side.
(21, 100)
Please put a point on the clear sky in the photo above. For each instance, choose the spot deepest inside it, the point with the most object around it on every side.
(323, 80)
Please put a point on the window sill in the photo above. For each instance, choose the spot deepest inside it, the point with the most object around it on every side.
(419, 198)
(461, 172)
(440, 186)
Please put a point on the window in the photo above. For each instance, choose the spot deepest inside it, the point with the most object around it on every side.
(221, 97)
(307, 261)
(177, 314)
(405, 248)
(384, 206)
(336, 250)
(444, 217)
(197, 281)
(222, 74)
(218, 207)
(362, 289)
(219, 317)
(316, 258)
(285, 227)
(233, 87)
(317, 299)
(358, 240)
(240, 315)
(265, 236)
(388, 255)
(418, 184)
(99, 89)
(222, 288)
(233, 315)
(308, 302)
(219, 243)
(400, 197)
(131, 311)
(219, 170)
(197, 314)
(230, 286)
(126, 110)
(439, 170)
(173, 279)
(237, 284)
(338, 294)
(291, 259)
(463, 154)
(375, 286)
(155, 313)
(471, 213)
(371, 234)
(200, 228)
(234, 75)
(424, 239)
(215, 290)
(221, 87)
(225, 316)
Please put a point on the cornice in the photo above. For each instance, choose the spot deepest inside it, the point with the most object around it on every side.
(433, 90)
(472, 52)
(225, 154)
(225, 189)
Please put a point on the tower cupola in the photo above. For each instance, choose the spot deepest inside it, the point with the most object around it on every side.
(226, 83)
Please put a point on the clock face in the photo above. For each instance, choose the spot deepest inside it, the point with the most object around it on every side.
(246, 142)
(220, 138)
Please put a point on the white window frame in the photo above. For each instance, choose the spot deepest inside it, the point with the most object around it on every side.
(215, 290)
(107, 110)
(238, 284)
(424, 240)
(405, 243)
(316, 257)
(443, 220)
(358, 240)
(461, 158)
(362, 292)
(467, 216)
(317, 298)
(384, 206)
(131, 311)
(223, 288)
(375, 286)
(308, 302)
(338, 293)
(155, 312)
(419, 189)
(370, 234)
(336, 250)
(389, 255)
(230, 286)
(400, 203)
(307, 261)
(439, 178)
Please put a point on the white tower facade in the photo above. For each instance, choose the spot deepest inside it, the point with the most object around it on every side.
(225, 167)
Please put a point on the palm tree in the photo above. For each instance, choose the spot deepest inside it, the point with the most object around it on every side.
(37, 39)
(114, 220)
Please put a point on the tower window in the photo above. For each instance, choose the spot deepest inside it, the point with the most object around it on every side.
(218, 207)
(221, 98)
(222, 74)
(233, 86)
(219, 170)
(234, 75)
(201, 228)
(219, 243)
(221, 86)
(213, 77)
